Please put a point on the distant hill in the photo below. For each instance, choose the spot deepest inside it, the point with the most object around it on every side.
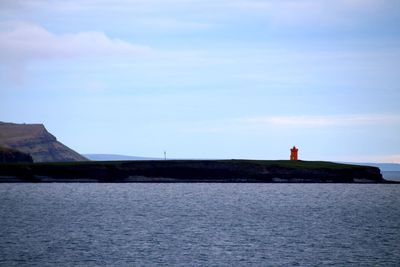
(35, 140)
(8, 155)
(112, 157)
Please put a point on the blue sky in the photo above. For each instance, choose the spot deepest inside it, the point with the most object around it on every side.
(207, 79)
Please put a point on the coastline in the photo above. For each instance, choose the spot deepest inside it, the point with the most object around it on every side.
(191, 171)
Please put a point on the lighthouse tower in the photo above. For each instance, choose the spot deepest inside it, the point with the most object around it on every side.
(293, 153)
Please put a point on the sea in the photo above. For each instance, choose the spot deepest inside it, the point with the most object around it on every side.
(391, 175)
(199, 224)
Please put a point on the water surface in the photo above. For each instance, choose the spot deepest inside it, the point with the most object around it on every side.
(199, 224)
(391, 175)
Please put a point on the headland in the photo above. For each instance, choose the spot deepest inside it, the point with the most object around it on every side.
(188, 171)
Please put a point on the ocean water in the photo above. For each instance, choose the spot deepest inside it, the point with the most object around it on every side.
(391, 175)
(199, 225)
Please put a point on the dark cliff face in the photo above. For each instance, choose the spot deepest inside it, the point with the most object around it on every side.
(8, 155)
(254, 171)
(194, 171)
(35, 140)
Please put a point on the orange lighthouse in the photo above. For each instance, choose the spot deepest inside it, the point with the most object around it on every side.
(293, 153)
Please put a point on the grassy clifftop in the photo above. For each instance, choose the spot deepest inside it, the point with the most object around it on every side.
(300, 164)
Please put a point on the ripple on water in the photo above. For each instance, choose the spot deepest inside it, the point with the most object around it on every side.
(199, 224)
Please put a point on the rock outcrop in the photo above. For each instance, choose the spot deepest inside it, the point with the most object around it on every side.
(35, 140)
(8, 155)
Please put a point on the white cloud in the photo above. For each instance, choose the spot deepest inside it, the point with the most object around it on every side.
(25, 43)
(338, 120)
(383, 158)
(311, 12)
(154, 16)
(262, 124)
(277, 12)
(172, 24)
(96, 86)
(32, 42)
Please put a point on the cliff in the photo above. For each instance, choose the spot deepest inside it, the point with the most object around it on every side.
(8, 155)
(35, 140)
(192, 171)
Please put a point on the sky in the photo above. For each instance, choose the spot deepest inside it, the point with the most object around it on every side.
(207, 79)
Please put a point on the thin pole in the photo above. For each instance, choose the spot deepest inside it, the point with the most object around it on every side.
(165, 155)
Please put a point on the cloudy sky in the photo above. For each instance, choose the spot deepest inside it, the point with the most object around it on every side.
(207, 79)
